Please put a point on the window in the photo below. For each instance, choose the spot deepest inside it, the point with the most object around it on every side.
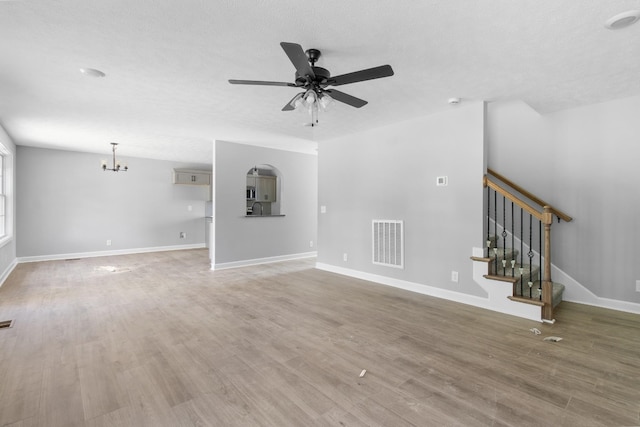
(3, 198)
(6, 192)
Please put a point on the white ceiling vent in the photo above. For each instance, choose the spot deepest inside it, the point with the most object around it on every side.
(388, 243)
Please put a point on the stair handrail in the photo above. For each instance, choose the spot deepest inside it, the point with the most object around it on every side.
(557, 212)
(515, 199)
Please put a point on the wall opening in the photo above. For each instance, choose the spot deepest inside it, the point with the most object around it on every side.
(263, 191)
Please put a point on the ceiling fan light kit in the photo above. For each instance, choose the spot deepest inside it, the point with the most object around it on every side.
(315, 81)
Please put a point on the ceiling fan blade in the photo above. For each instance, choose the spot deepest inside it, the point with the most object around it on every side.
(290, 105)
(260, 83)
(299, 59)
(362, 75)
(347, 99)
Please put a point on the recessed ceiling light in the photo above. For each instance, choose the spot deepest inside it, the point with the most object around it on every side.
(622, 20)
(92, 72)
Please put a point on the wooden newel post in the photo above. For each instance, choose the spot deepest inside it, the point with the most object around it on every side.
(547, 284)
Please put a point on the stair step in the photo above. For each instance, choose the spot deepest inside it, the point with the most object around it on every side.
(497, 269)
(527, 272)
(502, 278)
(504, 253)
(556, 297)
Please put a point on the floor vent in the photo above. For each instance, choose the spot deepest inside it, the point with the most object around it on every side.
(6, 324)
(388, 243)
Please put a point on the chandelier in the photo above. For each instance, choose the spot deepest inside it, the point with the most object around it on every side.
(117, 167)
(311, 101)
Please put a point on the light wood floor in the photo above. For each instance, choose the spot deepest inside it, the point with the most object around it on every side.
(163, 341)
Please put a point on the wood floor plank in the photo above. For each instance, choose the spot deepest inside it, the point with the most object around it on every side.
(159, 339)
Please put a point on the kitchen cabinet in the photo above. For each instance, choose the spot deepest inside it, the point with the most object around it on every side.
(261, 188)
(266, 188)
(191, 177)
(251, 181)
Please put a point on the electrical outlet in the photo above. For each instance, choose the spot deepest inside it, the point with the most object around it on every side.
(310, 243)
(109, 242)
(637, 285)
(454, 276)
(344, 257)
(183, 235)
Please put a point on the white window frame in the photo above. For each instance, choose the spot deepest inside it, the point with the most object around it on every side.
(6, 194)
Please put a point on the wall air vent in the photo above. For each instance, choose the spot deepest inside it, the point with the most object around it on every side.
(6, 324)
(388, 243)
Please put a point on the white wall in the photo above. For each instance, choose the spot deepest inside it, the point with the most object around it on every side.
(240, 239)
(8, 249)
(390, 173)
(584, 161)
(66, 204)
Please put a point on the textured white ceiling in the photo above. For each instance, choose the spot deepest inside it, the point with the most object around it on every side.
(166, 94)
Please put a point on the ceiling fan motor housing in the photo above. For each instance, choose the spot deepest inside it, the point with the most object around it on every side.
(322, 75)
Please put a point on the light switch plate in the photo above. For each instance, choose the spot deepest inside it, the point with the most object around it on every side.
(442, 181)
(323, 209)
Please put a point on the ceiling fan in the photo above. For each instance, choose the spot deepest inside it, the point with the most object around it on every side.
(315, 81)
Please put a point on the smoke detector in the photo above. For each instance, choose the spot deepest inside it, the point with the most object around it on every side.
(92, 72)
(454, 101)
(622, 20)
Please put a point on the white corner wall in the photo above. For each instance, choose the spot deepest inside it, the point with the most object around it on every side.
(390, 173)
(243, 241)
(67, 206)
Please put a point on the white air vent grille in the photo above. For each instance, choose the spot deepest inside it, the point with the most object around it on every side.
(388, 243)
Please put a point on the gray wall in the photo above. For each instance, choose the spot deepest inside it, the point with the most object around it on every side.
(66, 204)
(241, 239)
(8, 250)
(585, 162)
(390, 173)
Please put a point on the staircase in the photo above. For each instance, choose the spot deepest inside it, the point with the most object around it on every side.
(518, 244)
(506, 265)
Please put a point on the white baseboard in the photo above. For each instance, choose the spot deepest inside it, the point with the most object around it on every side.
(7, 271)
(576, 292)
(55, 257)
(530, 313)
(258, 261)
